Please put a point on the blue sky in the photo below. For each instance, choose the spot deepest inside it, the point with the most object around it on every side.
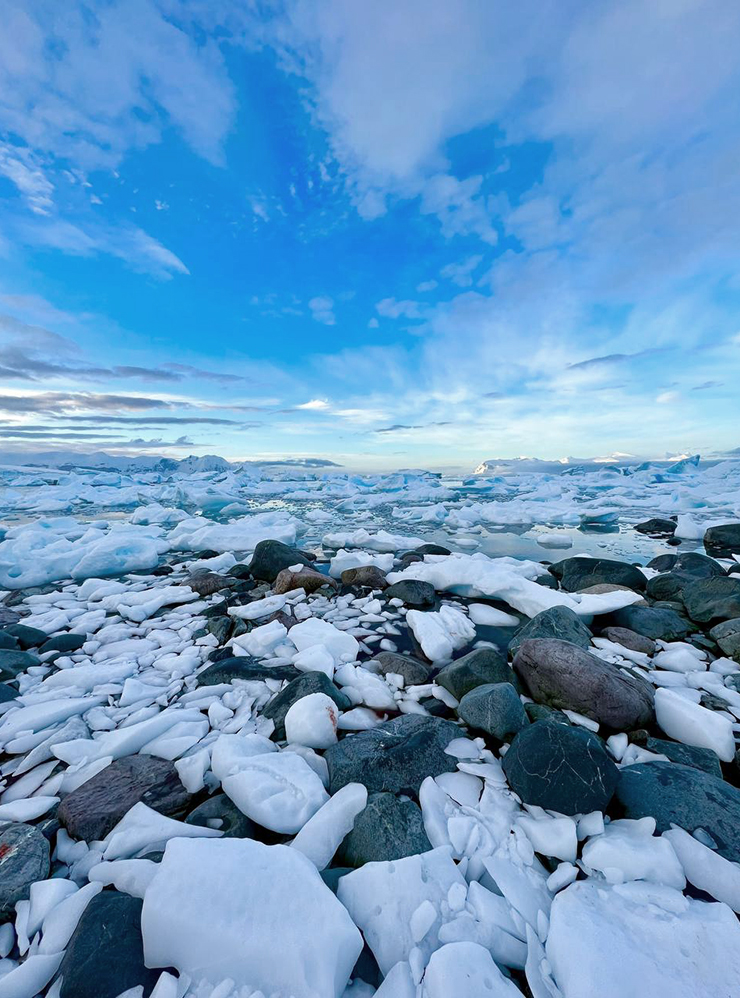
(390, 234)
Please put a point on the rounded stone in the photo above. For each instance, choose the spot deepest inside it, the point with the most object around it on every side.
(412, 592)
(414, 672)
(484, 665)
(494, 708)
(709, 601)
(387, 829)
(219, 812)
(580, 573)
(271, 557)
(555, 622)
(24, 859)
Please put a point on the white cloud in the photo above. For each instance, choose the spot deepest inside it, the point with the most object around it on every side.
(390, 308)
(426, 286)
(462, 273)
(322, 309)
(316, 404)
(20, 167)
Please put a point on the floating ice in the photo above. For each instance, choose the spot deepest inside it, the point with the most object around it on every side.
(693, 724)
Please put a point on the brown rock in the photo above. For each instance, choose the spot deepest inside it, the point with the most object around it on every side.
(367, 576)
(308, 579)
(629, 639)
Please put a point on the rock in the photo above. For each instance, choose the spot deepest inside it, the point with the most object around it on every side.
(563, 675)
(13, 662)
(699, 565)
(306, 683)
(24, 859)
(387, 829)
(548, 581)
(8, 616)
(27, 637)
(414, 672)
(484, 665)
(7, 693)
(332, 876)
(219, 812)
(669, 585)
(579, 573)
(105, 956)
(663, 562)
(271, 557)
(396, 756)
(723, 540)
(608, 587)
(657, 526)
(244, 667)
(90, 811)
(564, 769)
(412, 592)
(64, 643)
(8, 642)
(424, 549)
(684, 796)
(308, 579)
(220, 628)
(710, 601)
(539, 712)
(241, 572)
(727, 636)
(206, 583)
(629, 639)
(660, 625)
(365, 576)
(687, 755)
(495, 709)
(557, 622)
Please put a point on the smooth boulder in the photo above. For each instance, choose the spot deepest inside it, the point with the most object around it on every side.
(271, 557)
(495, 709)
(709, 601)
(652, 622)
(556, 622)
(414, 672)
(560, 768)
(24, 859)
(563, 675)
(723, 540)
(577, 573)
(484, 665)
(388, 828)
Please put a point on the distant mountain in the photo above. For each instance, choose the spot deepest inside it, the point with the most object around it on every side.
(617, 464)
(100, 461)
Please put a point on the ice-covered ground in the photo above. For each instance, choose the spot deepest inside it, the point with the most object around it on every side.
(284, 737)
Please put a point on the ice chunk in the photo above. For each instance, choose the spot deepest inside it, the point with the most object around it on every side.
(628, 850)
(312, 721)
(554, 837)
(322, 834)
(218, 909)
(341, 646)
(640, 939)
(693, 724)
(466, 970)
(490, 616)
(280, 792)
(143, 829)
(705, 868)
(441, 633)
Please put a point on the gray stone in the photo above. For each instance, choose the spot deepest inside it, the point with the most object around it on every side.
(494, 709)
(27, 637)
(8, 642)
(685, 796)
(657, 526)
(219, 812)
(723, 540)
(24, 859)
(7, 693)
(13, 662)
(669, 585)
(629, 639)
(206, 583)
(105, 956)
(220, 627)
(308, 682)
(64, 643)
(699, 565)
(484, 665)
(709, 601)
(727, 636)
(365, 576)
(396, 756)
(271, 557)
(561, 768)
(387, 829)
(414, 672)
(556, 622)
(658, 624)
(579, 573)
(663, 562)
(308, 579)
(563, 675)
(424, 549)
(90, 811)
(686, 755)
(412, 592)
(244, 667)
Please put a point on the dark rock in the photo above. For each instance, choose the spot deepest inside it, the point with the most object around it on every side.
(669, 585)
(13, 662)
(563, 675)
(629, 639)
(365, 576)
(660, 625)
(580, 573)
(723, 540)
(435, 707)
(387, 829)
(657, 527)
(685, 796)
(494, 709)
(271, 557)
(220, 628)
(230, 667)
(686, 755)
(412, 592)
(424, 549)
(484, 665)
(397, 756)
(727, 636)
(308, 579)
(414, 672)
(8, 616)
(28, 637)
(556, 622)
(539, 712)
(307, 682)
(240, 572)
(226, 815)
(548, 581)
(564, 769)
(410, 558)
(90, 811)
(206, 583)
(698, 565)
(7, 693)
(162, 570)
(663, 562)
(105, 955)
(64, 643)
(710, 601)
(24, 859)
(332, 876)
(8, 642)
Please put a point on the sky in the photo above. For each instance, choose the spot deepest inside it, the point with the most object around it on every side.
(393, 234)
